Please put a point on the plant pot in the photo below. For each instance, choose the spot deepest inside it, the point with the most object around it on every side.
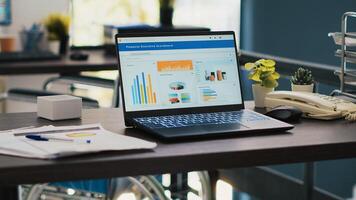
(54, 46)
(303, 88)
(259, 93)
(64, 45)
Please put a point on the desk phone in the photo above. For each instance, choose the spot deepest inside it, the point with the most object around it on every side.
(313, 105)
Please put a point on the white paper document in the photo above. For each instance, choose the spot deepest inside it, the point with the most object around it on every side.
(15, 142)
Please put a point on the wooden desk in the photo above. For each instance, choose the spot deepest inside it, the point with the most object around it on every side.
(97, 61)
(311, 140)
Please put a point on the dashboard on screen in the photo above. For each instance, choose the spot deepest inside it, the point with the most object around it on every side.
(167, 72)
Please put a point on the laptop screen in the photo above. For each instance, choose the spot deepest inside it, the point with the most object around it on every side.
(170, 72)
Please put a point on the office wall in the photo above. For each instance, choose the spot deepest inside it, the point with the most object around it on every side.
(294, 29)
(298, 29)
(27, 12)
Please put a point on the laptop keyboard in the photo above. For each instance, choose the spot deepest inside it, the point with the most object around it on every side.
(177, 121)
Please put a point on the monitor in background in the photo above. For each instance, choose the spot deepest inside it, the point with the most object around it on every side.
(5, 12)
(179, 72)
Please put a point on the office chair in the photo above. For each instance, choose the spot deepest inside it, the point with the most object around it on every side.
(73, 80)
(30, 95)
(80, 79)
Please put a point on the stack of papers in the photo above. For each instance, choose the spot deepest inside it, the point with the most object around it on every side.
(15, 142)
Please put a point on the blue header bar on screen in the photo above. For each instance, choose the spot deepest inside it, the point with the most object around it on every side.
(202, 44)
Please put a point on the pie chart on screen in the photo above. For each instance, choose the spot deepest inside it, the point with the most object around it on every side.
(177, 86)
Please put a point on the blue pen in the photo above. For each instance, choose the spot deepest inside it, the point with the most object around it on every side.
(55, 139)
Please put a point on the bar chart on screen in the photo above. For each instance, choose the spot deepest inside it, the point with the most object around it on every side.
(142, 91)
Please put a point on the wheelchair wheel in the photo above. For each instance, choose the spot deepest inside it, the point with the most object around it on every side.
(135, 188)
(141, 187)
(49, 192)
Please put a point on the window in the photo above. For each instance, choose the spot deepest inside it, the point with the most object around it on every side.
(89, 16)
(218, 15)
(215, 14)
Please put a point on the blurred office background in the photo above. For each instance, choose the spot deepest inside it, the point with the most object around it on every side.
(291, 29)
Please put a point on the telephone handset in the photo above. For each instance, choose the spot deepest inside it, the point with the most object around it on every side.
(313, 105)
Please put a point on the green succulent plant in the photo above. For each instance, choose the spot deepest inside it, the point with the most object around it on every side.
(263, 72)
(302, 77)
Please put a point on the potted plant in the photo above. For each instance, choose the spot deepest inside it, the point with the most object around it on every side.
(57, 26)
(263, 73)
(302, 80)
(166, 12)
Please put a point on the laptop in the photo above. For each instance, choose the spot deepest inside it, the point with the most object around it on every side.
(185, 85)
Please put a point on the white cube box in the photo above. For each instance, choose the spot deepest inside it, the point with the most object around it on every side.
(59, 107)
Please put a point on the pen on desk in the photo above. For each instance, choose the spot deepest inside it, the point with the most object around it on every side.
(55, 139)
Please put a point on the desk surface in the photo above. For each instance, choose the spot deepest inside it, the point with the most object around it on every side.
(97, 61)
(308, 141)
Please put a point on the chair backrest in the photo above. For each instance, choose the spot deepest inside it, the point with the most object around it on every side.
(30, 95)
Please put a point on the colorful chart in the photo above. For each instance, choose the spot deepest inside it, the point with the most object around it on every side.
(185, 97)
(177, 86)
(141, 92)
(208, 94)
(173, 98)
(217, 75)
(176, 65)
(78, 135)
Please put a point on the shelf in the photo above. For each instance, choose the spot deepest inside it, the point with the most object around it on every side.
(350, 56)
(350, 95)
(349, 77)
(347, 55)
(349, 14)
(350, 35)
(350, 39)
